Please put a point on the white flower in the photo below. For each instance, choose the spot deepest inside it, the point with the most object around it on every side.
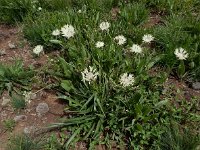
(68, 31)
(89, 75)
(104, 25)
(38, 49)
(136, 48)
(28, 96)
(99, 44)
(56, 32)
(120, 39)
(79, 11)
(127, 79)
(39, 8)
(181, 53)
(147, 38)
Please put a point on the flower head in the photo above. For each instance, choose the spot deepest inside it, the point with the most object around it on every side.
(136, 48)
(68, 31)
(147, 38)
(127, 79)
(38, 49)
(180, 53)
(120, 39)
(99, 44)
(39, 8)
(89, 74)
(56, 32)
(104, 25)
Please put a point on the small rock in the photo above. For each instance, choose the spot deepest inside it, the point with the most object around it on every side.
(30, 130)
(5, 101)
(42, 108)
(196, 85)
(20, 118)
(11, 45)
(2, 52)
(29, 96)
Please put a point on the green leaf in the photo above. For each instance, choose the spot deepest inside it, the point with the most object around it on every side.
(71, 101)
(72, 138)
(56, 42)
(154, 61)
(135, 98)
(67, 69)
(67, 85)
(139, 127)
(181, 69)
(161, 103)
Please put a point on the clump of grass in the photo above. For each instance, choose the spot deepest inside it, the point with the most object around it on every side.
(15, 10)
(25, 142)
(15, 77)
(18, 102)
(9, 124)
(135, 13)
(38, 30)
(176, 138)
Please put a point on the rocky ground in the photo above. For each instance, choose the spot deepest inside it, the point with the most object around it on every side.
(44, 107)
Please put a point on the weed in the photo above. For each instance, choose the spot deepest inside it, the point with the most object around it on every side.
(176, 138)
(9, 124)
(15, 77)
(24, 142)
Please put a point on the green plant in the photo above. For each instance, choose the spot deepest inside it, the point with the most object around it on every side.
(24, 142)
(39, 30)
(135, 13)
(103, 110)
(9, 124)
(178, 31)
(15, 10)
(18, 102)
(177, 138)
(15, 77)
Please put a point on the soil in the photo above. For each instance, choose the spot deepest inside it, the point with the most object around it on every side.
(22, 50)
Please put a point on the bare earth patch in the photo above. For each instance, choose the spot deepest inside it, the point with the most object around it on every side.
(13, 47)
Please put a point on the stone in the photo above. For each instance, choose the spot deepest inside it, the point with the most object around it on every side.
(11, 45)
(20, 118)
(30, 130)
(5, 101)
(196, 85)
(2, 52)
(42, 108)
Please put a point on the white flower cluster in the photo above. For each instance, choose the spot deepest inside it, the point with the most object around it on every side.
(120, 39)
(67, 31)
(89, 75)
(127, 80)
(99, 44)
(136, 48)
(38, 49)
(147, 38)
(104, 26)
(181, 54)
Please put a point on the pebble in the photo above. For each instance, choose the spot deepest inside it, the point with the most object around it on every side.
(20, 118)
(5, 101)
(30, 130)
(2, 52)
(11, 45)
(196, 85)
(42, 108)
